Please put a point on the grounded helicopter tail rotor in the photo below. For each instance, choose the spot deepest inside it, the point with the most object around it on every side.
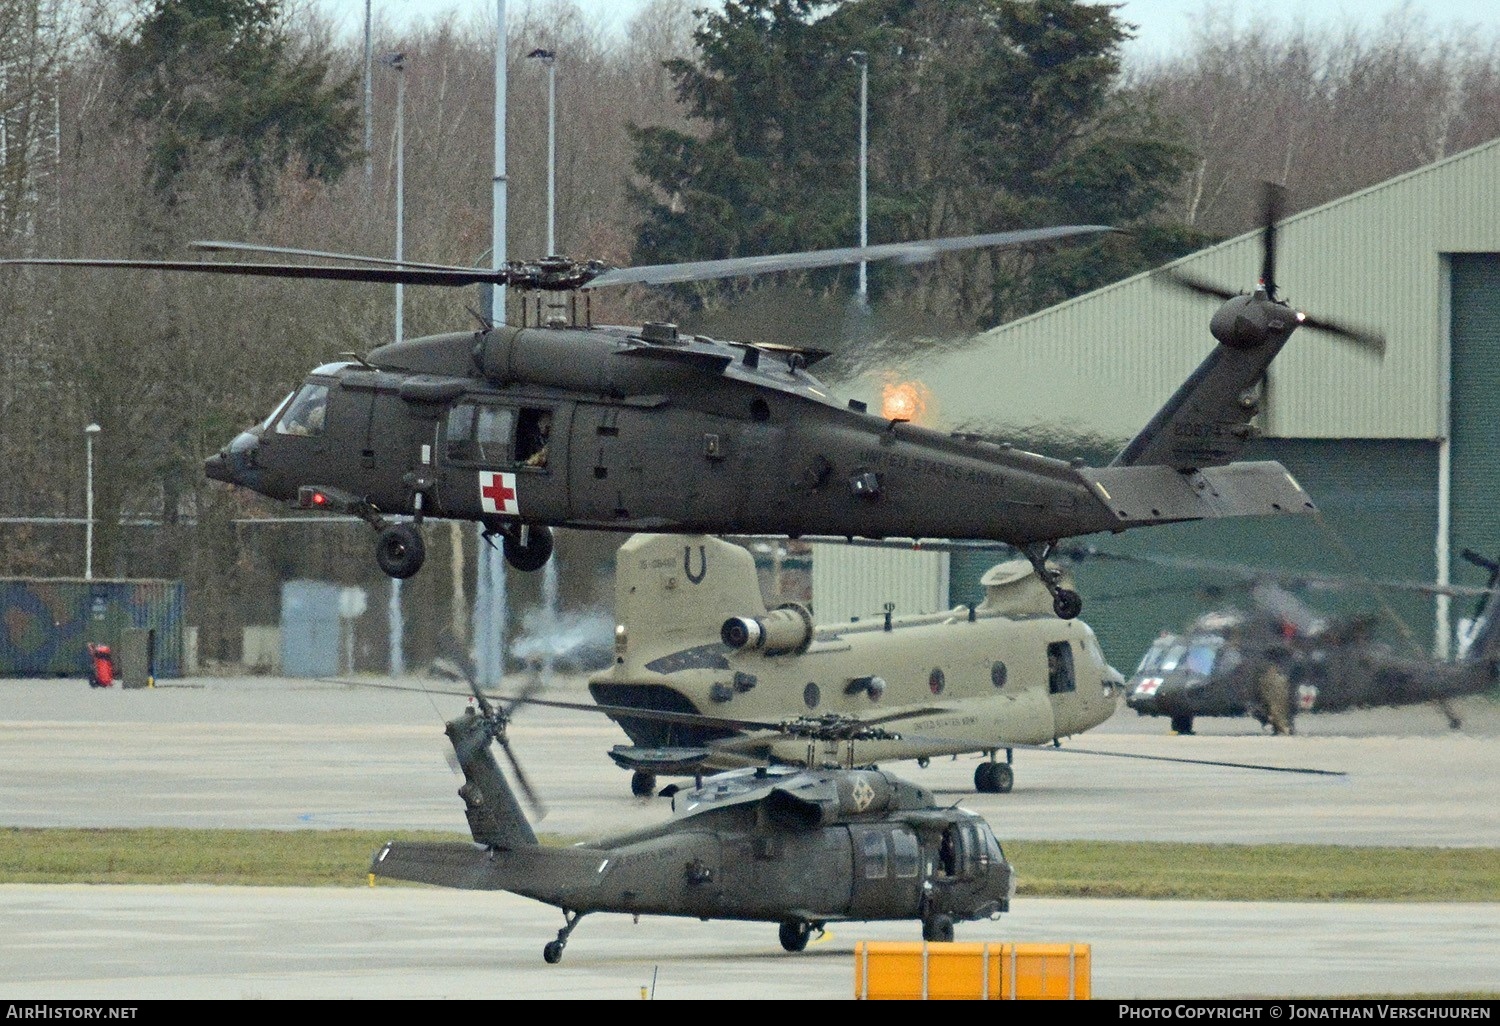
(458, 667)
(1247, 319)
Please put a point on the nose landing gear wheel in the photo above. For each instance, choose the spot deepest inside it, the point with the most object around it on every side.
(937, 928)
(642, 784)
(400, 551)
(794, 935)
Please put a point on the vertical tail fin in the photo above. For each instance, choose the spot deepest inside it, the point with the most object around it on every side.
(495, 816)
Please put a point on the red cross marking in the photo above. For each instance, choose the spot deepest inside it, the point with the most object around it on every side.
(497, 494)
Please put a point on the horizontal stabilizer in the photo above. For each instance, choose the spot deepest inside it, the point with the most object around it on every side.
(1156, 494)
(447, 864)
(666, 761)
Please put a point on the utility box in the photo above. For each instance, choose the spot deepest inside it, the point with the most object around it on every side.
(136, 657)
(908, 971)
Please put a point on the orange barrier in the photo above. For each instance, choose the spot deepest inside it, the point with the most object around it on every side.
(905, 971)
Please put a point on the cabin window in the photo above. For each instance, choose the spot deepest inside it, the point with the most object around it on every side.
(936, 681)
(997, 674)
(479, 434)
(872, 848)
(307, 413)
(533, 433)
(811, 696)
(1060, 667)
(906, 854)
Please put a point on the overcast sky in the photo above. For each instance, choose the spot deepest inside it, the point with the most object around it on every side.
(1164, 25)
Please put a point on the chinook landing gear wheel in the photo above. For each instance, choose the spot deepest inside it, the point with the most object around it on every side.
(1067, 604)
(993, 778)
(400, 551)
(642, 784)
(937, 928)
(794, 934)
(528, 548)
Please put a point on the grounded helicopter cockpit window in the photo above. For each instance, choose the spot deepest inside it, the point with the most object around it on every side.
(1172, 657)
(991, 845)
(479, 434)
(1200, 657)
(307, 412)
(872, 847)
(277, 411)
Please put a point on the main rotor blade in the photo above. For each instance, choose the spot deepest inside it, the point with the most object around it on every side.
(905, 252)
(402, 275)
(1195, 762)
(215, 246)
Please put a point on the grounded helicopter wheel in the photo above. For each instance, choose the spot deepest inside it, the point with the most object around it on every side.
(400, 551)
(1182, 724)
(534, 554)
(642, 783)
(552, 953)
(938, 928)
(1067, 604)
(794, 934)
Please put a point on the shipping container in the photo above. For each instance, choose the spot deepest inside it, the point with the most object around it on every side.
(47, 624)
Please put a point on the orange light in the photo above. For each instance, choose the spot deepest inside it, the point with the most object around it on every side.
(904, 401)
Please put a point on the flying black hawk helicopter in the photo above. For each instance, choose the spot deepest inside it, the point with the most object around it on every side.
(1279, 660)
(694, 635)
(559, 422)
(794, 846)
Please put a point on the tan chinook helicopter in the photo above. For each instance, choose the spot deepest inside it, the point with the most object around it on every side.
(558, 422)
(694, 636)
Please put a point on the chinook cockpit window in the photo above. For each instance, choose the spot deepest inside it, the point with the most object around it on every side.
(1060, 667)
(479, 434)
(308, 412)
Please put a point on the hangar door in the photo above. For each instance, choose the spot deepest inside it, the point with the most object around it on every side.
(1474, 412)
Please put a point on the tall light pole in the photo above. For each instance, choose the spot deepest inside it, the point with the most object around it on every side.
(549, 61)
(369, 110)
(88, 523)
(398, 62)
(861, 58)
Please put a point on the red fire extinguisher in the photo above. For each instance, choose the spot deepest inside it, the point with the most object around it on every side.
(102, 661)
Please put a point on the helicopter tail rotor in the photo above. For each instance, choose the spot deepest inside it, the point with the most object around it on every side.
(1248, 320)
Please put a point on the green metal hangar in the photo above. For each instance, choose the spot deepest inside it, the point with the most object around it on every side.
(1401, 454)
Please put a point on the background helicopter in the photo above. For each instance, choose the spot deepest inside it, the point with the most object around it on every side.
(1280, 659)
(651, 430)
(693, 635)
(797, 847)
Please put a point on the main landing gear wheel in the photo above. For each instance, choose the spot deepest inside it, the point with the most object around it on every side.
(937, 928)
(1182, 724)
(794, 934)
(642, 784)
(400, 551)
(528, 548)
(552, 953)
(993, 778)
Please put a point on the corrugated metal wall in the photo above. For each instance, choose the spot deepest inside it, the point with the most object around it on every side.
(47, 625)
(1100, 365)
(849, 582)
